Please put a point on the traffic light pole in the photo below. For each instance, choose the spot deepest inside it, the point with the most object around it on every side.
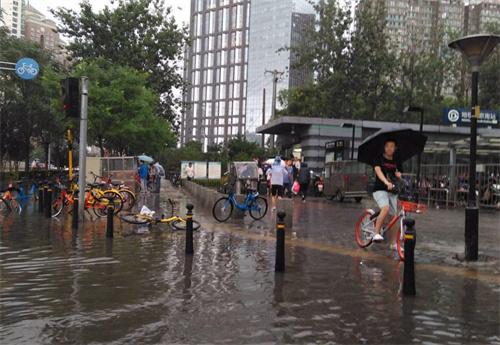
(83, 144)
(69, 139)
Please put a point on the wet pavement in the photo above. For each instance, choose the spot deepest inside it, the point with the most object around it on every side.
(64, 287)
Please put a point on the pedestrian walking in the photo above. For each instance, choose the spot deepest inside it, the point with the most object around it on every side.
(159, 172)
(143, 172)
(288, 179)
(189, 170)
(304, 180)
(276, 174)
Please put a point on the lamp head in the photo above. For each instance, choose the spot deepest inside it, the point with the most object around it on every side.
(476, 48)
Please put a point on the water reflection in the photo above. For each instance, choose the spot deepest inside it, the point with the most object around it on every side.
(64, 286)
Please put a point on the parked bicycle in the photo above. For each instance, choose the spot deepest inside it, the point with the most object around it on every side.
(365, 226)
(253, 203)
(176, 222)
(121, 188)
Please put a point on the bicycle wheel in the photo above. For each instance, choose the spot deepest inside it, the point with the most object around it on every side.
(57, 206)
(222, 210)
(101, 204)
(400, 244)
(258, 208)
(180, 224)
(134, 219)
(4, 206)
(365, 228)
(128, 199)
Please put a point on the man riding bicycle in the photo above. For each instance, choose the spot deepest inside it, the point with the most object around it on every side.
(387, 169)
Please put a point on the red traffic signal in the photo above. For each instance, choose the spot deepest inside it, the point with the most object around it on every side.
(71, 97)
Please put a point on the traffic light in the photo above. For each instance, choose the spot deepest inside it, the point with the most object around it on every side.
(71, 97)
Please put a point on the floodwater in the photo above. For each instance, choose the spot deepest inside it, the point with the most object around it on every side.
(59, 286)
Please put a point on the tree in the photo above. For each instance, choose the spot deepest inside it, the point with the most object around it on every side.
(326, 51)
(26, 106)
(371, 63)
(489, 75)
(122, 109)
(141, 34)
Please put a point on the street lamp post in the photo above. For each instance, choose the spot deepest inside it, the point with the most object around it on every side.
(476, 49)
(413, 109)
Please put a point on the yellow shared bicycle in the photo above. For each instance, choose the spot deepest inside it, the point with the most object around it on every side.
(176, 222)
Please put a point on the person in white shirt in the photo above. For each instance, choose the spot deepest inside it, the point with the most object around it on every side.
(189, 171)
(276, 173)
(159, 172)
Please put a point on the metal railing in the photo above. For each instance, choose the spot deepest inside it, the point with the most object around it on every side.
(444, 185)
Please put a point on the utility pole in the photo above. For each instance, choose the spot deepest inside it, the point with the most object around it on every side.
(262, 136)
(83, 144)
(276, 77)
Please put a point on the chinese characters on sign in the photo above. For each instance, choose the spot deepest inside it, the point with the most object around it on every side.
(462, 117)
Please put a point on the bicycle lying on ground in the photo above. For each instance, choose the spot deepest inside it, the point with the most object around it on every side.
(253, 203)
(365, 226)
(176, 222)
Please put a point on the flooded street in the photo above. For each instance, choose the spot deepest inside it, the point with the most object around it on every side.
(59, 286)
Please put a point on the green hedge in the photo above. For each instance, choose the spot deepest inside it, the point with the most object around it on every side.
(214, 184)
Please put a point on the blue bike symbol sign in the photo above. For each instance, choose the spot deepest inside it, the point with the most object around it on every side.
(27, 68)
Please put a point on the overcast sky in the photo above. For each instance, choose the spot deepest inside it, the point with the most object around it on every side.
(180, 8)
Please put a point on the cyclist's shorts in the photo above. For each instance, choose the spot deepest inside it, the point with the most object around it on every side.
(383, 198)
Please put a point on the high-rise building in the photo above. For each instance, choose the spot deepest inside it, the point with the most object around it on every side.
(42, 30)
(419, 23)
(274, 26)
(216, 71)
(478, 14)
(233, 43)
(12, 16)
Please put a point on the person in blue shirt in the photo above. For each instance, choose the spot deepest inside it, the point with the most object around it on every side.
(143, 174)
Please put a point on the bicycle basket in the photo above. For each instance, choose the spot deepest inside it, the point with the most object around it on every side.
(414, 207)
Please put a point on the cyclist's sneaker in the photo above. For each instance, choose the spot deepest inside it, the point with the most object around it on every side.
(378, 238)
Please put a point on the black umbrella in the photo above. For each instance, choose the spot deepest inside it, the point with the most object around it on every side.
(409, 143)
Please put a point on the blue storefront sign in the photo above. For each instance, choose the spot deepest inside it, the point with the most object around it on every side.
(462, 117)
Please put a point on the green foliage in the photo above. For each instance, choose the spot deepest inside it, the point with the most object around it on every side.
(28, 109)
(141, 34)
(121, 111)
(358, 74)
(237, 149)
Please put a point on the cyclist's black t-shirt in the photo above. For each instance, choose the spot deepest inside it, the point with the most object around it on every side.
(389, 168)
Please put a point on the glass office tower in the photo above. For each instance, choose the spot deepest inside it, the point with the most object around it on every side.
(216, 71)
(274, 25)
(233, 43)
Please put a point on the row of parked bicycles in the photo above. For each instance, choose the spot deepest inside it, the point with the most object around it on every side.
(97, 197)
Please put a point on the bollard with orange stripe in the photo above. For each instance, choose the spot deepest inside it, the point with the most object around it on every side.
(280, 243)
(409, 265)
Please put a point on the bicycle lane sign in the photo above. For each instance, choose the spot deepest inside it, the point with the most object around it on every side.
(27, 68)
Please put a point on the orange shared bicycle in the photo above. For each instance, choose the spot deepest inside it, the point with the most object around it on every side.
(365, 226)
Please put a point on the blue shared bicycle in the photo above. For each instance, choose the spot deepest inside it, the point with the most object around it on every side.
(253, 203)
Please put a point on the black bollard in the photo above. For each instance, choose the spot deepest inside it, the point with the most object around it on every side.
(189, 229)
(48, 203)
(74, 223)
(280, 243)
(44, 198)
(409, 265)
(40, 200)
(110, 214)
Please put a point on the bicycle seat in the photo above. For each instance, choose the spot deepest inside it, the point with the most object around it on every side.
(116, 183)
